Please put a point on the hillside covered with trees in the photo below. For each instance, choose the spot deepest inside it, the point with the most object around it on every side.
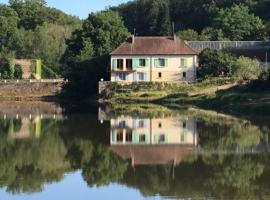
(199, 20)
(31, 30)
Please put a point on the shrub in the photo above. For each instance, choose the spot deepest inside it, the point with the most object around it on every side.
(246, 69)
(215, 63)
(18, 72)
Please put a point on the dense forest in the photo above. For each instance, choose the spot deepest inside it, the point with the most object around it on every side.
(199, 20)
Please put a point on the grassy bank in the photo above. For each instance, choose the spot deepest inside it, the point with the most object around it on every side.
(223, 95)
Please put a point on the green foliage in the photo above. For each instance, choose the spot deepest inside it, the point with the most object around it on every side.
(105, 30)
(31, 30)
(215, 63)
(204, 16)
(238, 24)
(18, 73)
(86, 59)
(246, 68)
(83, 77)
(6, 66)
(188, 34)
(47, 73)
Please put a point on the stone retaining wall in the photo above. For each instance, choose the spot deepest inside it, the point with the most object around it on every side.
(30, 89)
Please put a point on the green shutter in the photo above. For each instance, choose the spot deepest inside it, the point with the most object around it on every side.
(147, 62)
(186, 62)
(156, 139)
(114, 63)
(146, 139)
(166, 139)
(135, 63)
(156, 63)
(166, 62)
(135, 138)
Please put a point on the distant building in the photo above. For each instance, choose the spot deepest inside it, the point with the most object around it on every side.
(157, 59)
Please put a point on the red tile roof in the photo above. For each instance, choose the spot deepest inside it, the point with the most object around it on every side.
(153, 154)
(154, 46)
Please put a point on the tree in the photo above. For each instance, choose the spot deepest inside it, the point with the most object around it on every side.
(238, 24)
(8, 29)
(30, 12)
(86, 59)
(246, 68)
(215, 63)
(188, 34)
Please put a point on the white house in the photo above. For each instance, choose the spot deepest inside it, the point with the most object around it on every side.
(157, 59)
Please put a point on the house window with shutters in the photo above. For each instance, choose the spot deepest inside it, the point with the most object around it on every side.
(161, 62)
(161, 139)
(184, 62)
(142, 138)
(141, 76)
(120, 76)
(129, 65)
(120, 64)
(129, 136)
(142, 62)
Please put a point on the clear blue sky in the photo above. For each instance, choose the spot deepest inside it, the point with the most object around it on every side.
(80, 8)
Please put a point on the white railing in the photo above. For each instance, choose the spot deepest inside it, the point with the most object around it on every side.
(201, 45)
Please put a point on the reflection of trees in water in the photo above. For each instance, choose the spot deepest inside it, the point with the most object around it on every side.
(222, 175)
(237, 177)
(27, 164)
(228, 135)
(75, 143)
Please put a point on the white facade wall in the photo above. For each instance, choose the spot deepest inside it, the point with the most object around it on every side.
(173, 72)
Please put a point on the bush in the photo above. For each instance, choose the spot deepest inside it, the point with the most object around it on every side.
(48, 73)
(215, 63)
(265, 75)
(18, 72)
(246, 69)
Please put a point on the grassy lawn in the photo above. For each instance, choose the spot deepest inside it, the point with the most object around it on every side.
(221, 95)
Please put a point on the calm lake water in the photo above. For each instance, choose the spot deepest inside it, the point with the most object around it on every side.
(136, 152)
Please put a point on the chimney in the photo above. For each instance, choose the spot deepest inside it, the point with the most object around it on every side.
(132, 39)
(174, 37)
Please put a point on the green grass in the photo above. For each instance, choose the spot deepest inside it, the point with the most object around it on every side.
(222, 95)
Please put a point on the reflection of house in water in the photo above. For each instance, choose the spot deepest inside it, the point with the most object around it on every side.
(153, 141)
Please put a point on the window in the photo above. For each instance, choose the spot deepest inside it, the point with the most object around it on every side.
(142, 62)
(184, 125)
(141, 124)
(182, 137)
(159, 125)
(184, 74)
(159, 75)
(119, 136)
(122, 76)
(184, 62)
(142, 138)
(161, 139)
(120, 64)
(129, 136)
(129, 64)
(161, 62)
(141, 76)
(122, 124)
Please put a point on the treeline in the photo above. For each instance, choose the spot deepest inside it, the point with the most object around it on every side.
(30, 29)
(199, 20)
